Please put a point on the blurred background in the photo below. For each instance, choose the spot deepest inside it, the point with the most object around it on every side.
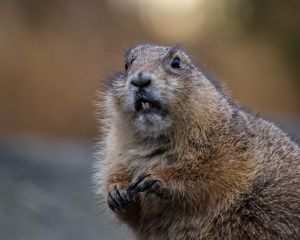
(53, 57)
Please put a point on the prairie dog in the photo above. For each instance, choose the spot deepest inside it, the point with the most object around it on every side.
(180, 159)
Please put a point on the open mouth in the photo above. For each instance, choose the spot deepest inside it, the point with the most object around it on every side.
(146, 106)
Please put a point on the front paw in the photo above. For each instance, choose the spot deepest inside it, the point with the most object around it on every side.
(119, 198)
(148, 184)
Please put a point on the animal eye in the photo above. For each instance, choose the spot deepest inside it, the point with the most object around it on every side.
(175, 62)
(127, 65)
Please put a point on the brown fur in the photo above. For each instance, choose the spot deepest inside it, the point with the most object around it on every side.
(222, 172)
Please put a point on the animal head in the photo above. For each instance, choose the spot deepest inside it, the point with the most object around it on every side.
(159, 88)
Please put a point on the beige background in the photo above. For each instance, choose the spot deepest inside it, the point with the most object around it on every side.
(54, 54)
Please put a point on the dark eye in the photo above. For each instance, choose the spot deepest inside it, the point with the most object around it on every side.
(127, 65)
(175, 62)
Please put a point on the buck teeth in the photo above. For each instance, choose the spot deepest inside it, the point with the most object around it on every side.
(145, 105)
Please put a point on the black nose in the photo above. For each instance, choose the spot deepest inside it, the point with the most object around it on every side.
(141, 80)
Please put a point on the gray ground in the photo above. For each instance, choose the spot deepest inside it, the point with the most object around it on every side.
(46, 191)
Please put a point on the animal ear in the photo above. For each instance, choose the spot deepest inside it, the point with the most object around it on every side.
(177, 51)
(173, 51)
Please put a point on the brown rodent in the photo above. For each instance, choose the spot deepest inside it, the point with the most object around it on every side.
(180, 159)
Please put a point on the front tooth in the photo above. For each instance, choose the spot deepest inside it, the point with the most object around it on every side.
(147, 105)
(143, 105)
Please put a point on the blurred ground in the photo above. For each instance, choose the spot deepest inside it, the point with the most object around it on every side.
(46, 192)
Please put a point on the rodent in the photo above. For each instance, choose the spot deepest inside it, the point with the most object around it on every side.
(180, 159)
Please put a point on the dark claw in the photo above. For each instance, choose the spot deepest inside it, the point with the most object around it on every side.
(118, 199)
(124, 194)
(111, 206)
(144, 183)
(111, 203)
(155, 187)
(136, 181)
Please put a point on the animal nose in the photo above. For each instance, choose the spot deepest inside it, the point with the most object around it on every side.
(141, 80)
